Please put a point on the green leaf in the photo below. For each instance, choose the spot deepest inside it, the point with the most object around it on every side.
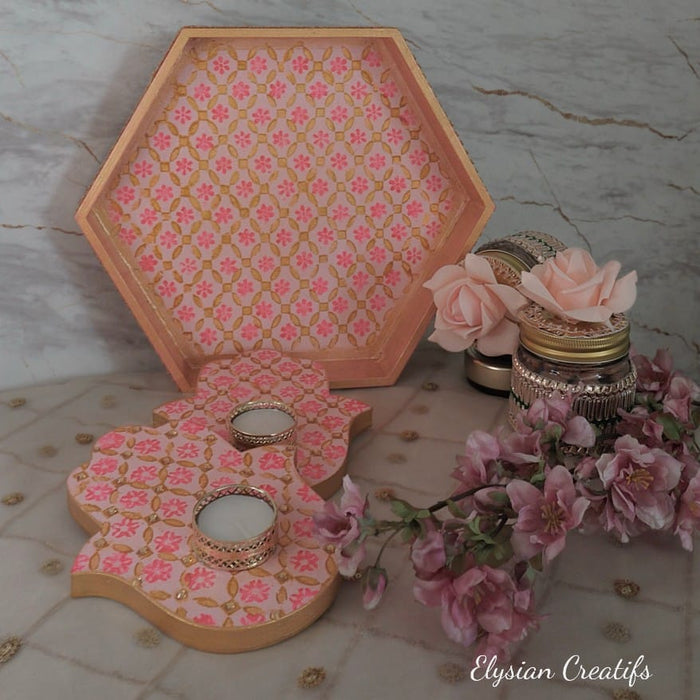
(672, 430)
(499, 497)
(422, 513)
(455, 510)
(403, 509)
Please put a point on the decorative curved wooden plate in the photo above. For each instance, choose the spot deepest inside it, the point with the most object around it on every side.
(135, 497)
(325, 422)
(289, 189)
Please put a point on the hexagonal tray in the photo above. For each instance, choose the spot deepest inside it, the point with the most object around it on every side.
(288, 189)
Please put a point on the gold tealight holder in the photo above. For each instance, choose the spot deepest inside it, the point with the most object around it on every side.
(258, 423)
(229, 527)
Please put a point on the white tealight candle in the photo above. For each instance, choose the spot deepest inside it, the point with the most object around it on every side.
(235, 517)
(263, 421)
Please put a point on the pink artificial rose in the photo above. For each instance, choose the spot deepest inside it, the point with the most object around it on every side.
(544, 517)
(339, 526)
(639, 480)
(572, 286)
(473, 307)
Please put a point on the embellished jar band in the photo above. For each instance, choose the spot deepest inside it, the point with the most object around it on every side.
(234, 555)
(258, 423)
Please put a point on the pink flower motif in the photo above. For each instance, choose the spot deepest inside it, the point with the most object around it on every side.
(572, 286)
(265, 213)
(320, 285)
(143, 168)
(204, 289)
(304, 528)
(397, 184)
(99, 492)
(339, 113)
(418, 157)
(223, 215)
(434, 183)
(304, 560)
(255, 591)
(325, 328)
(263, 164)
(339, 161)
(231, 459)
(282, 287)
(167, 541)
(281, 138)
(373, 112)
(392, 278)
(202, 91)
(182, 115)
(318, 90)
(144, 474)
(167, 240)
(544, 517)
(378, 210)
(117, 563)
(389, 89)
(183, 166)
(244, 188)
(639, 480)
(377, 254)
(242, 139)
(261, 116)
(250, 331)
(319, 187)
(80, 563)
(223, 165)
(205, 192)
(110, 441)
(321, 139)
(161, 140)
(251, 619)
(148, 217)
(340, 305)
(240, 90)
(339, 65)
(167, 288)
(338, 525)
(377, 161)
(188, 450)
(276, 89)
(126, 527)
(186, 313)
(340, 213)
(205, 239)
(157, 570)
(272, 461)
(394, 136)
(221, 65)
(358, 136)
(205, 619)
(244, 287)
(104, 466)
(125, 194)
(258, 64)
(263, 309)
(300, 64)
(358, 90)
(288, 332)
(473, 307)
(184, 215)
(300, 597)
(199, 578)
(399, 232)
(204, 142)
(164, 193)
(377, 302)
(128, 235)
(134, 499)
(174, 507)
(180, 476)
(325, 236)
(228, 266)
(414, 209)
(302, 162)
(286, 188)
(303, 214)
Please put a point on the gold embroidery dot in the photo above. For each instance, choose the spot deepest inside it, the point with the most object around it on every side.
(311, 677)
(166, 460)
(626, 588)
(420, 409)
(409, 435)
(430, 386)
(112, 510)
(152, 518)
(396, 458)
(286, 478)
(137, 581)
(159, 489)
(8, 648)
(52, 567)
(451, 672)
(211, 438)
(385, 494)
(108, 401)
(120, 481)
(329, 548)
(181, 594)
(189, 559)
(246, 472)
(617, 632)
(84, 438)
(284, 508)
(147, 637)
(230, 607)
(12, 499)
(626, 694)
(48, 451)
(17, 402)
(80, 476)
(275, 615)
(282, 576)
(171, 433)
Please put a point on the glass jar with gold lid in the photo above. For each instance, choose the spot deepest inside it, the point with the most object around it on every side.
(587, 361)
(508, 257)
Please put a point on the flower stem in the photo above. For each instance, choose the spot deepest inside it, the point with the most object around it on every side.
(459, 496)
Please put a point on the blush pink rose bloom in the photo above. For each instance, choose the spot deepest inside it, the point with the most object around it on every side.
(544, 517)
(572, 286)
(639, 480)
(472, 307)
(555, 411)
(339, 526)
(688, 516)
(682, 392)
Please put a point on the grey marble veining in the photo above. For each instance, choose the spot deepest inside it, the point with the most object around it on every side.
(582, 119)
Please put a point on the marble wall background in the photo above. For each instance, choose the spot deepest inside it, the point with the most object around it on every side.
(583, 119)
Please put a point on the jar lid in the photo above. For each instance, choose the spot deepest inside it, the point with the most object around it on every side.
(491, 373)
(506, 268)
(554, 338)
(523, 250)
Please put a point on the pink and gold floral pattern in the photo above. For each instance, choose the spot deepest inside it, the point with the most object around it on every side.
(325, 421)
(285, 190)
(140, 551)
